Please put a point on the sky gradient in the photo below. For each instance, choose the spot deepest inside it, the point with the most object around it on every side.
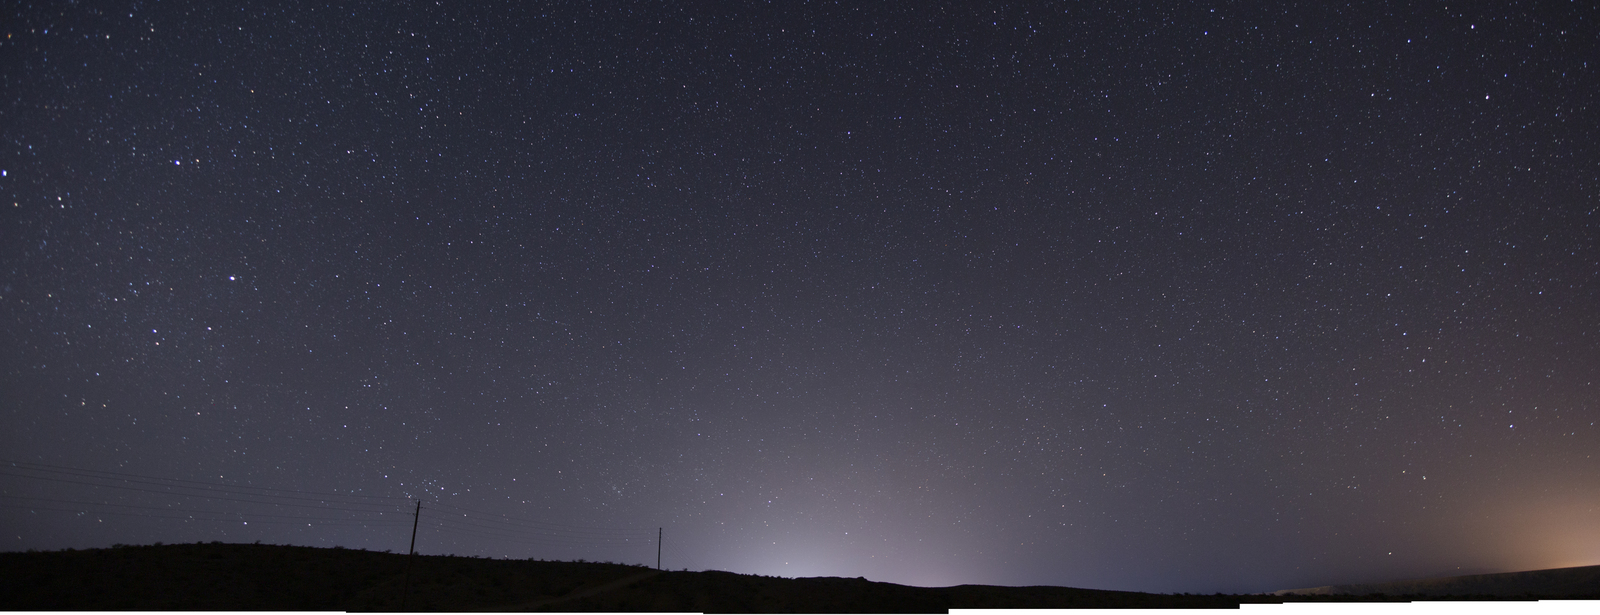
(1170, 297)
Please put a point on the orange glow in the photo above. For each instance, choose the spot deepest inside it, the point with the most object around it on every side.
(1547, 529)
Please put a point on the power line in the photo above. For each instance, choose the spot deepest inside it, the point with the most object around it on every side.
(211, 487)
(327, 502)
(540, 530)
(180, 480)
(192, 495)
(505, 526)
(545, 540)
(359, 522)
(513, 531)
(358, 508)
(575, 528)
(170, 509)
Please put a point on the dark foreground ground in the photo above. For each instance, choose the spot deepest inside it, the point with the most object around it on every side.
(1582, 581)
(228, 577)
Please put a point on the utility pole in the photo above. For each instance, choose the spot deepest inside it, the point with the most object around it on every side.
(412, 557)
(658, 548)
(414, 519)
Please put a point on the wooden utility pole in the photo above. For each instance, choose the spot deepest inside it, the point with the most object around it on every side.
(414, 519)
(658, 548)
(412, 557)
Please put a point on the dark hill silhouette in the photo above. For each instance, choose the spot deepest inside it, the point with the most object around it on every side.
(1579, 582)
(725, 592)
(235, 577)
(239, 577)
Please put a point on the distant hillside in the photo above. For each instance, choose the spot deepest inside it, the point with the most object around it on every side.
(230, 577)
(238, 577)
(726, 592)
(1580, 582)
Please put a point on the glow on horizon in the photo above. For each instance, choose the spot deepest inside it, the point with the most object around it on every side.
(1540, 527)
(828, 554)
(1559, 535)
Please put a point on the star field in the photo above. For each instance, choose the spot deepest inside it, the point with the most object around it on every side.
(1177, 297)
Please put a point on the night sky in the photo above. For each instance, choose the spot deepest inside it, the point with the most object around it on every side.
(1174, 297)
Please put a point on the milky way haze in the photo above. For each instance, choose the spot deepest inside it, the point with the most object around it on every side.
(1180, 297)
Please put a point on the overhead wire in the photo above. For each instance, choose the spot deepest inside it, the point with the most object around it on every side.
(193, 495)
(511, 518)
(672, 554)
(209, 487)
(450, 518)
(213, 512)
(503, 537)
(519, 529)
(360, 522)
(474, 523)
(180, 480)
(547, 539)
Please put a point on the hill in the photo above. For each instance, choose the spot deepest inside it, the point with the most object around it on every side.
(1579, 582)
(231, 577)
(237, 577)
(228, 577)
